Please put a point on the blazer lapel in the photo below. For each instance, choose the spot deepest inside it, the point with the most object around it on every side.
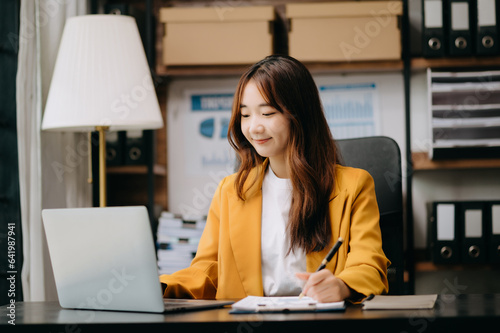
(245, 237)
(245, 234)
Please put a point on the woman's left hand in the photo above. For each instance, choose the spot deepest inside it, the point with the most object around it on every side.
(324, 287)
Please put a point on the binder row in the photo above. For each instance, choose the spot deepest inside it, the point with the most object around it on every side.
(460, 27)
(125, 148)
(465, 232)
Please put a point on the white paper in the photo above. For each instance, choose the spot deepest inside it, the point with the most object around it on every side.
(481, 89)
(465, 108)
(280, 304)
(467, 143)
(465, 122)
(451, 75)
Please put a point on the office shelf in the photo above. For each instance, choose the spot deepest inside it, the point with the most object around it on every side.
(429, 266)
(158, 170)
(189, 71)
(314, 67)
(356, 66)
(421, 161)
(423, 63)
(406, 65)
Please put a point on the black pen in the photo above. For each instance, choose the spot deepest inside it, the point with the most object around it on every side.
(328, 257)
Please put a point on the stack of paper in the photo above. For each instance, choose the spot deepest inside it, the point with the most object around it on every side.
(465, 114)
(177, 240)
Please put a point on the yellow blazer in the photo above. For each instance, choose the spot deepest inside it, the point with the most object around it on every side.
(228, 261)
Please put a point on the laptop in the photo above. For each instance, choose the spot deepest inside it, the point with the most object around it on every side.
(104, 259)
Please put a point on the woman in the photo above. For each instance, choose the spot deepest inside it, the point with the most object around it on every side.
(271, 224)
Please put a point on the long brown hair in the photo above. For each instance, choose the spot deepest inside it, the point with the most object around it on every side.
(287, 86)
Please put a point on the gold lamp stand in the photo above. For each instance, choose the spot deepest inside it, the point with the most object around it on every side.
(102, 164)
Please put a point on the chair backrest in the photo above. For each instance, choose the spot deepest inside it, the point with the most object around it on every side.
(381, 157)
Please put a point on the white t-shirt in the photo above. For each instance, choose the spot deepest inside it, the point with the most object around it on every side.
(278, 269)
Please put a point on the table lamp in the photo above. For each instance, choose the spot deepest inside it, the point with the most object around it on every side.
(101, 82)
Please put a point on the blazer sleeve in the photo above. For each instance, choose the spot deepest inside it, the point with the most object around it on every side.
(365, 269)
(199, 280)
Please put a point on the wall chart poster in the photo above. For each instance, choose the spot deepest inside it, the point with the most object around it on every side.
(205, 133)
(198, 153)
(351, 110)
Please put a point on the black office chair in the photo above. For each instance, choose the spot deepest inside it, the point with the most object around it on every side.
(381, 157)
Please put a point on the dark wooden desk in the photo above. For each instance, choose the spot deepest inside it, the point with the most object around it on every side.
(462, 313)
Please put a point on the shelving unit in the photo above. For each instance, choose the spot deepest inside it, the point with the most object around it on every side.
(314, 67)
(477, 277)
(421, 161)
(402, 65)
(416, 162)
(427, 266)
(158, 170)
(424, 63)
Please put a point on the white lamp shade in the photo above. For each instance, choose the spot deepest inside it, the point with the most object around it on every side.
(101, 78)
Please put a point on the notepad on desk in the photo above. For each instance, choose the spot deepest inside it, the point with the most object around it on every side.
(257, 304)
(400, 302)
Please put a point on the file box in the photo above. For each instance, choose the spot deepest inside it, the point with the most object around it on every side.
(345, 31)
(217, 35)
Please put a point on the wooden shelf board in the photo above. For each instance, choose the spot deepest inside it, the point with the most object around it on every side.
(421, 161)
(314, 67)
(187, 71)
(422, 63)
(429, 266)
(355, 66)
(335, 67)
(159, 170)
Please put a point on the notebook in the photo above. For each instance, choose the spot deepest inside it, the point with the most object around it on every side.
(104, 259)
(400, 302)
(258, 304)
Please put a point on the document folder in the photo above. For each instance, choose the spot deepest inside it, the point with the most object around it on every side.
(135, 148)
(445, 233)
(494, 232)
(432, 28)
(473, 244)
(458, 28)
(486, 28)
(115, 142)
(259, 304)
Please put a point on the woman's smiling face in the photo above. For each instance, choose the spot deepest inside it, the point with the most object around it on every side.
(266, 128)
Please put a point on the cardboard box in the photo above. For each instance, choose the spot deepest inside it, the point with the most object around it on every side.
(345, 31)
(217, 35)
